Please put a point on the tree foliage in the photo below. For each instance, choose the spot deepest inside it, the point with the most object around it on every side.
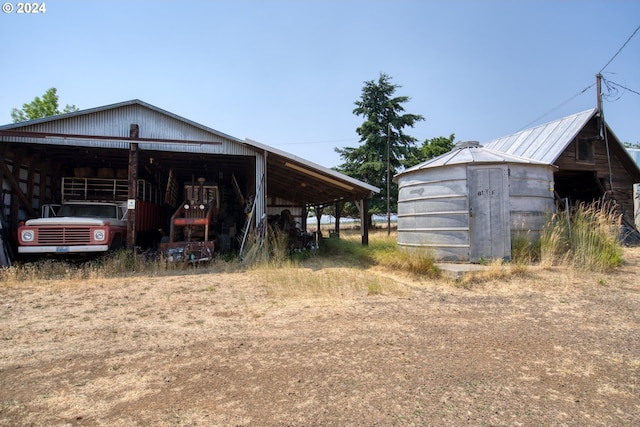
(431, 148)
(41, 107)
(384, 123)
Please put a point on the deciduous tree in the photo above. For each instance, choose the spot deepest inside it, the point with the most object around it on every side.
(431, 148)
(41, 107)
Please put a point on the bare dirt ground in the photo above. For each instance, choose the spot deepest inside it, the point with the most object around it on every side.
(547, 348)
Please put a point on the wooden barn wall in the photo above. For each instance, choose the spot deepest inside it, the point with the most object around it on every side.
(622, 181)
(27, 182)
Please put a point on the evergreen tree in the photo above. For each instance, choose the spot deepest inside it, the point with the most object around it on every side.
(382, 140)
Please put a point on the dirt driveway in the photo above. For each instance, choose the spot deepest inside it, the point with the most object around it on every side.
(549, 348)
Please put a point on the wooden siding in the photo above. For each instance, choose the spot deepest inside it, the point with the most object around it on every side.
(621, 179)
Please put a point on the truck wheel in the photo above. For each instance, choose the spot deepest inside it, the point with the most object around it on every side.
(116, 244)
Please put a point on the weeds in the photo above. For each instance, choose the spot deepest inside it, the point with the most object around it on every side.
(588, 242)
(586, 239)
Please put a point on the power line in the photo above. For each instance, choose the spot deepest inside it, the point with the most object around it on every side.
(620, 50)
(557, 107)
(590, 86)
(609, 82)
(316, 142)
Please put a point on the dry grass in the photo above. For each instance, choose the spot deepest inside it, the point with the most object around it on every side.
(585, 238)
(330, 283)
(344, 338)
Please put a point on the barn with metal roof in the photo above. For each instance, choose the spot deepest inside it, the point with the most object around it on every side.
(591, 161)
(164, 147)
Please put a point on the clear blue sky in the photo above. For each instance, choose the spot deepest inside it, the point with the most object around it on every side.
(287, 73)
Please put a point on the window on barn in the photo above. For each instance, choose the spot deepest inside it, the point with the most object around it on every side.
(584, 151)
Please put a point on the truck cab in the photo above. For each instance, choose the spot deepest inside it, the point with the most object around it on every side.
(76, 227)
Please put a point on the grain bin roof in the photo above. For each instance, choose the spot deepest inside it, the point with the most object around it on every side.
(470, 153)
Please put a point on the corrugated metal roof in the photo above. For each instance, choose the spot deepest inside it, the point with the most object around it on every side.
(167, 131)
(544, 143)
(313, 166)
(111, 109)
(471, 153)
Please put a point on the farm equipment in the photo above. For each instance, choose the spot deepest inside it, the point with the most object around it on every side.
(191, 233)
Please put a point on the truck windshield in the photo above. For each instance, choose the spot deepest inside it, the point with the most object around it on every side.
(89, 211)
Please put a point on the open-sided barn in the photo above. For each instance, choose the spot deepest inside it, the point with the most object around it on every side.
(134, 139)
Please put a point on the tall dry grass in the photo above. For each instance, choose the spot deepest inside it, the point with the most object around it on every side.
(589, 241)
(123, 263)
(585, 238)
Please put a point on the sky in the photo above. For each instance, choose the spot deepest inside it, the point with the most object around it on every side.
(288, 73)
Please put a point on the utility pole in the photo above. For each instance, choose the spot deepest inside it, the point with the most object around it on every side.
(599, 92)
(602, 127)
(388, 179)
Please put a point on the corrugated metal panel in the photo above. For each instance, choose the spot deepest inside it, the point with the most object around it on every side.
(434, 203)
(114, 107)
(314, 166)
(470, 153)
(433, 212)
(543, 143)
(531, 200)
(152, 123)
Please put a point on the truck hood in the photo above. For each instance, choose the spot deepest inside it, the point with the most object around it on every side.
(72, 220)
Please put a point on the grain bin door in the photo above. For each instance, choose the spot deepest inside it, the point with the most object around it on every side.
(489, 230)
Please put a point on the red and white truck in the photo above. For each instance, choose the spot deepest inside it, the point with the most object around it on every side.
(91, 219)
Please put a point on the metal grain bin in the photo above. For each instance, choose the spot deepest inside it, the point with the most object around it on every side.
(468, 204)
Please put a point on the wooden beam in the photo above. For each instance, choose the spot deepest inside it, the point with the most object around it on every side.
(133, 194)
(44, 135)
(31, 179)
(15, 201)
(44, 170)
(15, 185)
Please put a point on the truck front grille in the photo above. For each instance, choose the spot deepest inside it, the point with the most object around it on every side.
(64, 236)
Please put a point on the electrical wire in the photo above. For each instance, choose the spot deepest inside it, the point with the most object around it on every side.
(557, 107)
(316, 142)
(618, 85)
(620, 50)
(612, 91)
(611, 87)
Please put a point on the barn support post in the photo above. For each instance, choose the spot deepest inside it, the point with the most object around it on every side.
(339, 206)
(303, 220)
(363, 206)
(134, 132)
(262, 213)
(319, 210)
